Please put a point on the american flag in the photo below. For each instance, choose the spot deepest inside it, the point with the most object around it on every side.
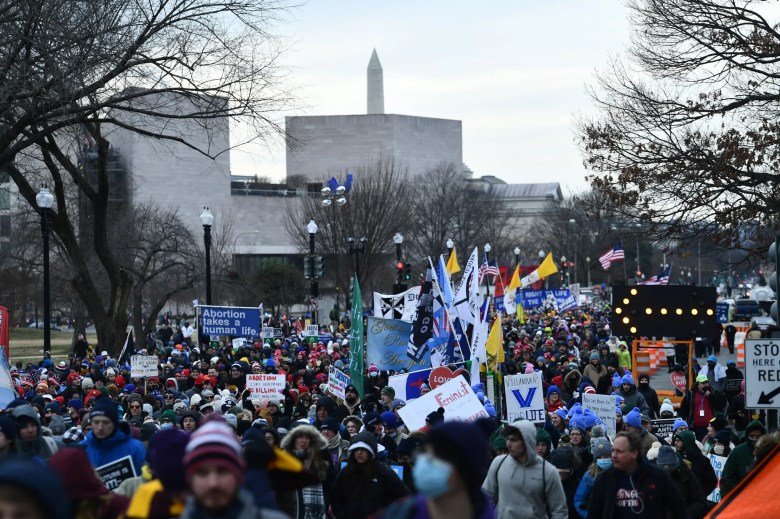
(614, 254)
(660, 279)
(487, 268)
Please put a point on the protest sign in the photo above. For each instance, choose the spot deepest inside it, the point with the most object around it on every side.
(265, 387)
(524, 397)
(112, 474)
(337, 382)
(718, 462)
(229, 320)
(240, 342)
(456, 397)
(602, 406)
(267, 334)
(142, 366)
(386, 346)
(663, 428)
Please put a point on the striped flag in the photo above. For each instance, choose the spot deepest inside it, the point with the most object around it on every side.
(487, 268)
(659, 279)
(614, 254)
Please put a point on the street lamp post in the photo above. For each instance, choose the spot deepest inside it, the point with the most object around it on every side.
(45, 201)
(517, 256)
(587, 263)
(566, 265)
(334, 198)
(313, 288)
(573, 223)
(398, 239)
(207, 219)
(541, 258)
(450, 246)
(356, 248)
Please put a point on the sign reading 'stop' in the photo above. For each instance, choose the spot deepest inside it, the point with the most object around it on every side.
(230, 320)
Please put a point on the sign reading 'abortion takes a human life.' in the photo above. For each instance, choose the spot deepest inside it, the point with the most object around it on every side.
(524, 397)
(236, 321)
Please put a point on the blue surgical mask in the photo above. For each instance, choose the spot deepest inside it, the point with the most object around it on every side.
(604, 463)
(166, 425)
(431, 475)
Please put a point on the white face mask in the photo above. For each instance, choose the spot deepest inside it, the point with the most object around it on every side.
(718, 449)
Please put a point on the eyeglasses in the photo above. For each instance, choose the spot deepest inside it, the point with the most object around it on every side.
(169, 397)
(132, 407)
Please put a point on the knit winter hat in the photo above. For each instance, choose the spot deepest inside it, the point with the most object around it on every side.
(667, 458)
(214, 443)
(627, 379)
(594, 355)
(600, 447)
(615, 380)
(166, 454)
(552, 389)
(667, 406)
(105, 407)
(389, 391)
(679, 423)
(633, 418)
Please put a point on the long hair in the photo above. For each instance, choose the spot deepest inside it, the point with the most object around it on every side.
(357, 475)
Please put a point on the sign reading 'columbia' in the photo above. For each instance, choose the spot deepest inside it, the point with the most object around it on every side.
(230, 320)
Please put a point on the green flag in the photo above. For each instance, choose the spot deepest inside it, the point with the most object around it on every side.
(356, 362)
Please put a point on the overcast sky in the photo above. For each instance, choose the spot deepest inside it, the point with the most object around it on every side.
(513, 71)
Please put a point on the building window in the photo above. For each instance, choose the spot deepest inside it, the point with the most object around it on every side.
(5, 199)
(5, 226)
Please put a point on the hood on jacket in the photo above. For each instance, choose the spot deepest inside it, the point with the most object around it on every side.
(572, 379)
(318, 441)
(27, 411)
(527, 431)
(689, 441)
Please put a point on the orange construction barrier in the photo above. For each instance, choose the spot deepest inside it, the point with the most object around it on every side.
(642, 362)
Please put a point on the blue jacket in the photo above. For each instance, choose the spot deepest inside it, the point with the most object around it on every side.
(116, 446)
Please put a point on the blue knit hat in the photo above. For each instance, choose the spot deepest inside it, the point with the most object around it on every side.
(589, 419)
(615, 380)
(627, 379)
(618, 410)
(561, 411)
(634, 418)
(679, 423)
(553, 389)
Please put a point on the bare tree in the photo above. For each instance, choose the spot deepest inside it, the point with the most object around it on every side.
(687, 136)
(378, 206)
(70, 72)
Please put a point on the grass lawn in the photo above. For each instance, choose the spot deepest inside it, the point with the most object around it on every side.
(27, 344)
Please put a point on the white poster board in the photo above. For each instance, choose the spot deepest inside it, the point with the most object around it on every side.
(142, 366)
(602, 406)
(337, 382)
(718, 462)
(524, 397)
(265, 387)
(312, 330)
(456, 397)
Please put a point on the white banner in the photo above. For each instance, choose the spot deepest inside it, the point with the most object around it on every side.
(142, 366)
(524, 397)
(456, 397)
(718, 462)
(602, 406)
(397, 306)
(265, 387)
(464, 302)
(337, 382)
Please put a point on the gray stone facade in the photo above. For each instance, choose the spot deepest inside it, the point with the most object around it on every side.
(336, 143)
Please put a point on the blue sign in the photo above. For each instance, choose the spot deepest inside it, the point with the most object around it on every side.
(386, 344)
(532, 299)
(230, 320)
(722, 312)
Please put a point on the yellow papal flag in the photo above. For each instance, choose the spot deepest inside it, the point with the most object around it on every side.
(494, 346)
(452, 263)
(547, 268)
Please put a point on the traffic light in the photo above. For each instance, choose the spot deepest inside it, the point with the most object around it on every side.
(307, 267)
(319, 267)
(773, 312)
(407, 271)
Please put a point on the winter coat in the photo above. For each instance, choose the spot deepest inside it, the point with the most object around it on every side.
(737, 466)
(42, 447)
(116, 446)
(690, 488)
(700, 464)
(657, 492)
(525, 490)
(651, 397)
(384, 487)
(595, 373)
(633, 398)
(242, 508)
(687, 407)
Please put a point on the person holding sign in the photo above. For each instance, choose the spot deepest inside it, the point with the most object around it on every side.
(110, 440)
